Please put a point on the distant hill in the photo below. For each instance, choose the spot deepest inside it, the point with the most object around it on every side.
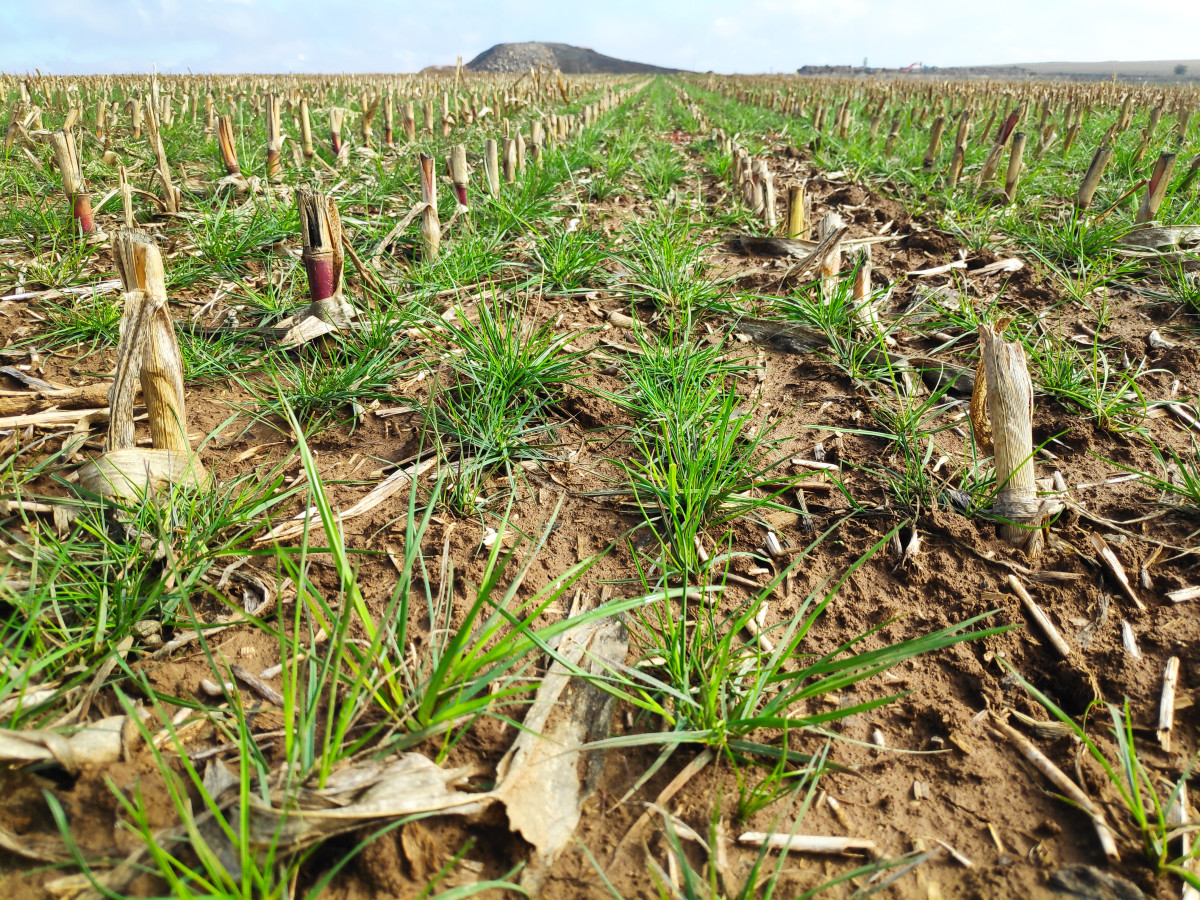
(521, 57)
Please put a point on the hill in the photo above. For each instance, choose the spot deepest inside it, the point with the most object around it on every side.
(521, 57)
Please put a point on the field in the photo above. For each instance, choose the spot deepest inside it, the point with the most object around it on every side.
(582, 487)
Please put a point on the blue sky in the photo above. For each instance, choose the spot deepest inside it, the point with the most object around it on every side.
(79, 36)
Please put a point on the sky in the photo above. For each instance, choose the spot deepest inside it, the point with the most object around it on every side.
(99, 36)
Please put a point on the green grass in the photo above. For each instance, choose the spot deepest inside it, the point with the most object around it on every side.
(702, 458)
(82, 592)
(667, 264)
(711, 688)
(1087, 380)
(91, 322)
(854, 334)
(328, 383)
(504, 373)
(230, 237)
(569, 260)
(660, 168)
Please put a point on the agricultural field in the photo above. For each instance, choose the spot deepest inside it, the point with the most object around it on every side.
(598, 486)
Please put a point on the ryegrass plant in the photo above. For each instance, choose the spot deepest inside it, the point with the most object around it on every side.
(666, 264)
(854, 334)
(701, 459)
(91, 322)
(83, 591)
(569, 259)
(326, 383)
(505, 372)
(1089, 381)
(228, 236)
(660, 168)
(910, 423)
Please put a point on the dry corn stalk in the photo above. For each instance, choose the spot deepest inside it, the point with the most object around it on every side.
(134, 106)
(893, 136)
(797, 210)
(1190, 175)
(148, 351)
(101, 117)
(431, 229)
(864, 302)
(935, 141)
(410, 121)
(1183, 115)
(510, 160)
(172, 197)
(831, 263)
(491, 167)
(754, 187)
(274, 138)
(980, 426)
(958, 157)
(15, 127)
(368, 120)
(1013, 176)
(767, 179)
(1157, 188)
(126, 196)
(66, 157)
(389, 120)
(1010, 416)
(992, 162)
(321, 230)
(337, 116)
(227, 145)
(1091, 180)
(306, 142)
(459, 175)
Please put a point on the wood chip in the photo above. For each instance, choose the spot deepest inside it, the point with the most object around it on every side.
(1129, 640)
(958, 857)
(256, 684)
(50, 417)
(814, 464)
(1002, 265)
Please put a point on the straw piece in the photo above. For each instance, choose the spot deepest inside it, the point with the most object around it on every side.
(809, 843)
(1039, 616)
(1166, 705)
